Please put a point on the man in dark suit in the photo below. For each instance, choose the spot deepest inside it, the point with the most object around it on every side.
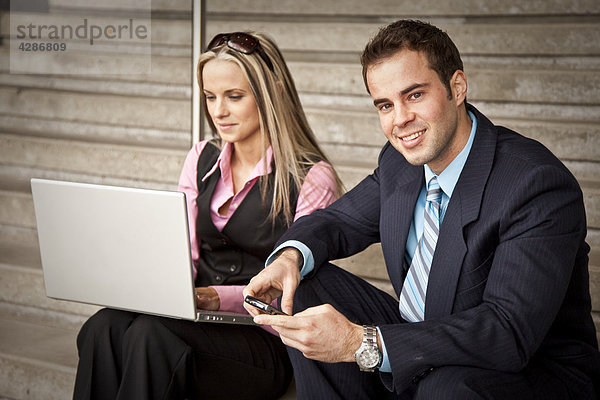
(483, 235)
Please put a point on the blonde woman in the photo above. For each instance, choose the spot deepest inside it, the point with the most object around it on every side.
(244, 188)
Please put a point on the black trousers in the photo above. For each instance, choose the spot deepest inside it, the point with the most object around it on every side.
(362, 303)
(124, 355)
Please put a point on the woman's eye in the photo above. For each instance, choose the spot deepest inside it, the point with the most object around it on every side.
(235, 97)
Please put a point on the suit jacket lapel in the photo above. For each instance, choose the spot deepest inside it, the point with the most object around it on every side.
(402, 203)
(464, 208)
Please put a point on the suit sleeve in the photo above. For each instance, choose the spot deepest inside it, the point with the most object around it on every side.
(346, 227)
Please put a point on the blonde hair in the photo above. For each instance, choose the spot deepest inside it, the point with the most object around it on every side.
(295, 148)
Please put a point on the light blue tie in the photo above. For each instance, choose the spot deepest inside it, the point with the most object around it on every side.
(412, 297)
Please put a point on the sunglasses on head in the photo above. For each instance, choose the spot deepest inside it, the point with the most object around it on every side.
(241, 42)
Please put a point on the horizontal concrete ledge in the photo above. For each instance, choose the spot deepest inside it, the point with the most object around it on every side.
(104, 86)
(19, 340)
(501, 84)
(471, 38)
(28, 379)
(17, 209)
(357, 7)
(163, 5)
(169, 70)
(14, 236)
(150, 113)
(397, 8)
(17, 178)
(34, 314)
(491, 84)
(36, 361)
(76, 157)
(94, 132)
(569, 140)
(24, 253)
(25, 287)
(495, 110)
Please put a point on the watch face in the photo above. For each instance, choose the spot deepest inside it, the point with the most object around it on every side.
(368, 358)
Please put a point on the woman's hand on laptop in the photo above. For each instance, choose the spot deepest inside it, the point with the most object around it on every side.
(207, 298)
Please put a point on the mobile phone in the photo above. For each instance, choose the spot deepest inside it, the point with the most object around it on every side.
(261, 305)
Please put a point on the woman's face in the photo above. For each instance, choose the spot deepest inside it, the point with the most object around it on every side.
(230, 102)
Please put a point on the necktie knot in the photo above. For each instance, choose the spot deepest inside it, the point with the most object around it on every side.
(434, 191)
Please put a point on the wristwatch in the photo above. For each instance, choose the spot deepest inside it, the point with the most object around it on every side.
(368, 356)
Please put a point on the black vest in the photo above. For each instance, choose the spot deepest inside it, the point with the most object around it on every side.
(234, 255)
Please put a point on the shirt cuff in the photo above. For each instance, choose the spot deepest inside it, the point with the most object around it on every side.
(385, 364)
(308, 263)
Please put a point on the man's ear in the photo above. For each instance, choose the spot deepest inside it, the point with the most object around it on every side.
(458, 85)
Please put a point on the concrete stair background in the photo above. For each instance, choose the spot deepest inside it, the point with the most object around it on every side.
(532, 67)
(121, 130)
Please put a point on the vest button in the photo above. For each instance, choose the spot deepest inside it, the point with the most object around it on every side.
(232, 267)
(218, 278)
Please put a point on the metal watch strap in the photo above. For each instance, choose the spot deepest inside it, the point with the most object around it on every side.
(370, 335)
(369, 344)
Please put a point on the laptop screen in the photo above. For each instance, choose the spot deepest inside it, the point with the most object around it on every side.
(117, 247)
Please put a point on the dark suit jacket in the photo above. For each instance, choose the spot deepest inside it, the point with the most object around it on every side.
(509, 280)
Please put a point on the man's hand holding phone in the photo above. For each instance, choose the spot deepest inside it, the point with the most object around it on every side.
(280, 278)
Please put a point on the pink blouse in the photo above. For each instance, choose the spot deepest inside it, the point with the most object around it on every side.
(318, 191)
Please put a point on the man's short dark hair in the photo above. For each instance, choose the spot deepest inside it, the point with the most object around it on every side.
(442, 54)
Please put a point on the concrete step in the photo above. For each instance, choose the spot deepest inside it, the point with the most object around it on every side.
(308, 8)
(17, 209)
(501, 84)
(170, 69)
(17, 178)
(23, 293)
(130, 111)
(577, 140)
(95, 132)
(19, 246)
(85, 116)
(391, 8)
(36, 361)
(118, 161)
(482, 38)
(567, 140)
(99, 86)
(157, 5)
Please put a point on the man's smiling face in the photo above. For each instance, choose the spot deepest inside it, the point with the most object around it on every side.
(417, 114)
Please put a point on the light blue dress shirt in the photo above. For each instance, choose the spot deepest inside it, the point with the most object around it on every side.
(447, 180)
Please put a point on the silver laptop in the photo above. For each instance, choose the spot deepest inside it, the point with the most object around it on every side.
(119, 247)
